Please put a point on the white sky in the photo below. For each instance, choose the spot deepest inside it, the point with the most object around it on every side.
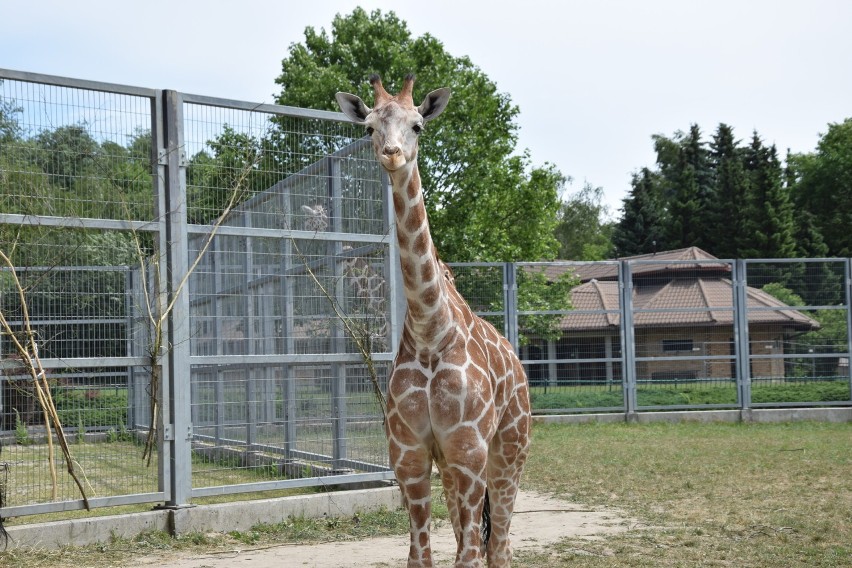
(593, 80)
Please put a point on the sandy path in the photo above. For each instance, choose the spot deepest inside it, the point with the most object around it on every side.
(538, 522)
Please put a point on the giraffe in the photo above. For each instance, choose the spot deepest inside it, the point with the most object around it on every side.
(457, 394)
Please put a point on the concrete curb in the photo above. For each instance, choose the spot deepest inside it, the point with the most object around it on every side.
(221, 517)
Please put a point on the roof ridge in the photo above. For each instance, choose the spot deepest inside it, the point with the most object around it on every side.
(610, 318)
(704, 295)
(653, 297)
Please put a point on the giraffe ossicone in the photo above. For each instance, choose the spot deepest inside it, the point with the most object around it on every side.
(457, 394)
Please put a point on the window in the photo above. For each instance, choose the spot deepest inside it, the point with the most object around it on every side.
(670, 345)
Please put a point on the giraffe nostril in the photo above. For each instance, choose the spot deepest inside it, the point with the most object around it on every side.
(390, 150)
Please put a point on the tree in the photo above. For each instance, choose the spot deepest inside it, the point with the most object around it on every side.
(769, 219)
(9, 127)
(471, 180)
(642, 227)
(822, 184)
(727, 209)
(583, 231)
(689, 179)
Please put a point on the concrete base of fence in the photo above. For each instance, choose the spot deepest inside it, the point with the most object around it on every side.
(757, 415)
(221, 517)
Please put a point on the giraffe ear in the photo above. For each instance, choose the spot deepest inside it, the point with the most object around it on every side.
(434, 104)
(353, 107)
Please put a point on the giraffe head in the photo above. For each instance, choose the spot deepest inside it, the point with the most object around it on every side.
(394, 123)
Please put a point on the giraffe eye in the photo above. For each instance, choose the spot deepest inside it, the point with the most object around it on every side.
(370, 131)
(417, 129)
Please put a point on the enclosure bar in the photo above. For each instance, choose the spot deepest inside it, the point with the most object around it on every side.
(287, 234)
(741, 334)
(264, 107)
(807, 404)
(78, 505)
(338, 339)
(84, 362)
(588, 360)
(77, 222)
(510, 305)
(628, 340)
(55, 80)
(799, 356)
(847, 289)
(655, 407)
(178, 356)
(292, 483)
(687, 358)
(392, 270)
(300, 358)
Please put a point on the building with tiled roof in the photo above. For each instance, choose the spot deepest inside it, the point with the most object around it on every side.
(682, 314)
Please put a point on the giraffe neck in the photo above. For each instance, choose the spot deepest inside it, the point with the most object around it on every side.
(429, 318)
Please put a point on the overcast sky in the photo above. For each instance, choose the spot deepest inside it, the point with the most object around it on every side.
(593, 80)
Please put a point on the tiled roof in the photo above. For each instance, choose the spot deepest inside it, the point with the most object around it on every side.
(645, 264)
(703, 294)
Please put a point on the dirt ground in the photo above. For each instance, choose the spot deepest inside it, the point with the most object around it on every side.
(538, 522)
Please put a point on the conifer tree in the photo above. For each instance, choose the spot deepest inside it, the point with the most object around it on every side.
(641, 229)
(687, 176)
(726, 212)
(769, 227)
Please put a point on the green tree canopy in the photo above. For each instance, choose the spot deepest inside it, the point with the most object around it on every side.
(642, 227)
(584, 233)
(822, 185)
(485, 201)
(727, 208)
(769, 224)
(729, 200)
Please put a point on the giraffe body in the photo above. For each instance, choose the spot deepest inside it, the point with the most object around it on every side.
(457, 395)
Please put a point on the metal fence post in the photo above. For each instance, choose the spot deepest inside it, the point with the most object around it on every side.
(510, 305)
(177, 426)
(628, 339)
(339, 411)
(847, 288)
(741, 335)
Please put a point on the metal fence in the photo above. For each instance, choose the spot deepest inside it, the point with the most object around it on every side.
(185, 266)
(669, 333)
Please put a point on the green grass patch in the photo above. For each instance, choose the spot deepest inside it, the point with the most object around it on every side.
(749, 495)
(695, 394)
(722, 494)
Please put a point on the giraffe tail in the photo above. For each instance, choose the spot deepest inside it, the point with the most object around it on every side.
(486, 520)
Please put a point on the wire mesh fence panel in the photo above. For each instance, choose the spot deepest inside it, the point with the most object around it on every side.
(298, 271)
(71, 315)
(482, 286)
(67, 151)
(684, 327)
(283, 422)
(569, 335)
(77, 212)
(798, 332)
